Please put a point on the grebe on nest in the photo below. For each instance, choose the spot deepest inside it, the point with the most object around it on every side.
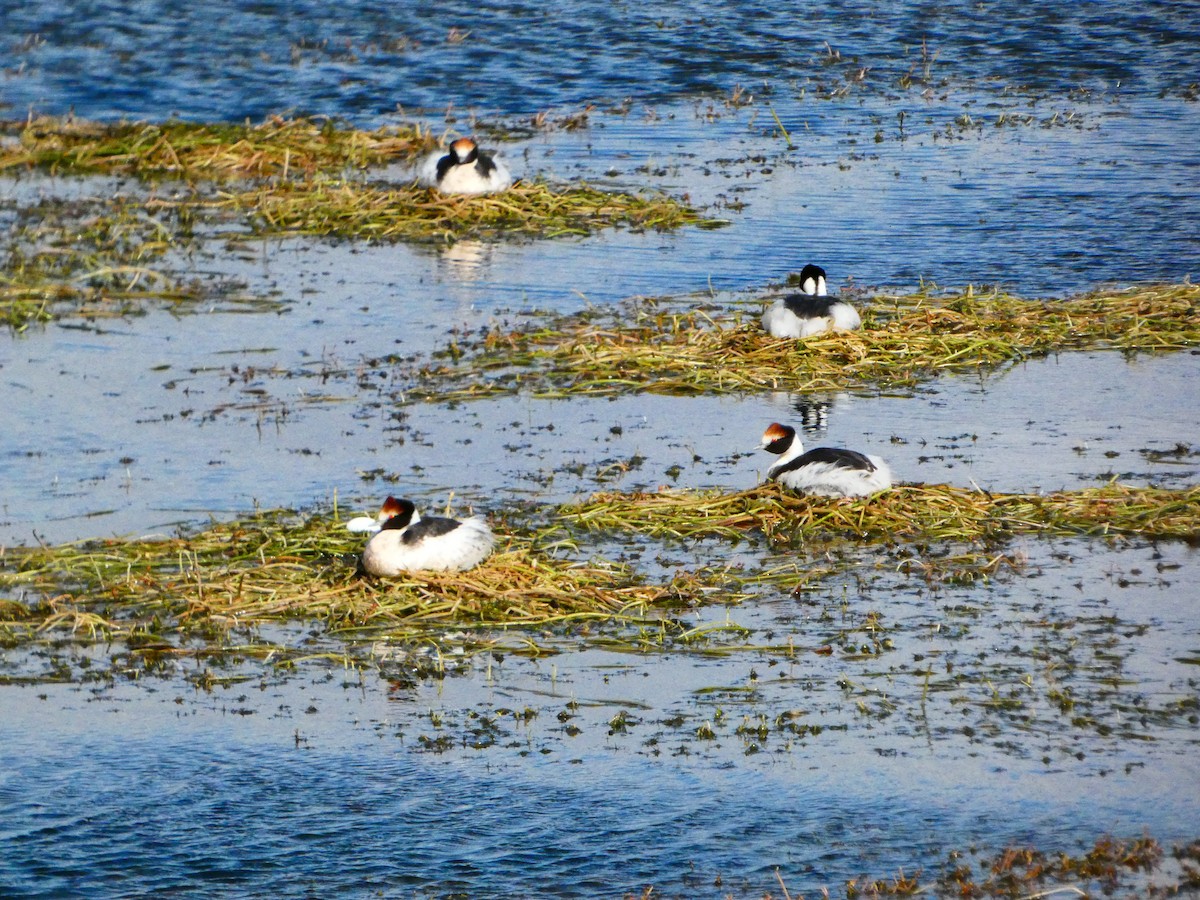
(464, 169)
(825, 471)
(404, 541)
(811, 311)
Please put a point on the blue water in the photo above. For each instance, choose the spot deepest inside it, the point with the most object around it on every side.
(901, 171)
(319, 788)
(188, 820)
(229, 60)
(1096, 187)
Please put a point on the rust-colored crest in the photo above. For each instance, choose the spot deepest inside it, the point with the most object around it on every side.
(776, 432)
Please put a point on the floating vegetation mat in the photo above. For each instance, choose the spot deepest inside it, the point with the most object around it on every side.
(298, 165)
(272, 568)
(277, 147)
(904, 341)
(408, 212)
(276, 568)
(925, 512)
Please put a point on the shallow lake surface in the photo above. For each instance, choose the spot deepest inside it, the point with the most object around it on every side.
(587, 769)
(1048, 153)
(1009, 431)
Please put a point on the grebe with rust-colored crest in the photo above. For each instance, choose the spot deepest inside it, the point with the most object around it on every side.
(406, 541)
(824, 471)
(464, 169)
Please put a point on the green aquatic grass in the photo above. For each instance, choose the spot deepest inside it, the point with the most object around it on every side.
(348, 209)
(904, 341)
(91, 259)
(910, 512)
(279, 147)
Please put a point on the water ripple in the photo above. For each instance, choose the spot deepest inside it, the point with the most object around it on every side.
(228, 60)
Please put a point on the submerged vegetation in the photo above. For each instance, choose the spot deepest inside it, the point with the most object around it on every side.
(92, 260)
(904, 340)
(97, 257)
(1111, 866)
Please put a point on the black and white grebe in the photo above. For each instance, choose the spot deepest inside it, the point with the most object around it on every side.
(810, 312)
(464, 169)
(404, 541)
(825, 471)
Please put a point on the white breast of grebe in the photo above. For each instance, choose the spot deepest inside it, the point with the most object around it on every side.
(825, 471)
(811, 311)
(407, 542)
(464, 169)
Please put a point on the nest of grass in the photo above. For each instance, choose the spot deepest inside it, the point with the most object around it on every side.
(904, 341)
(277, 147)
(274, 568)
(339, 208)
(910, 512)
